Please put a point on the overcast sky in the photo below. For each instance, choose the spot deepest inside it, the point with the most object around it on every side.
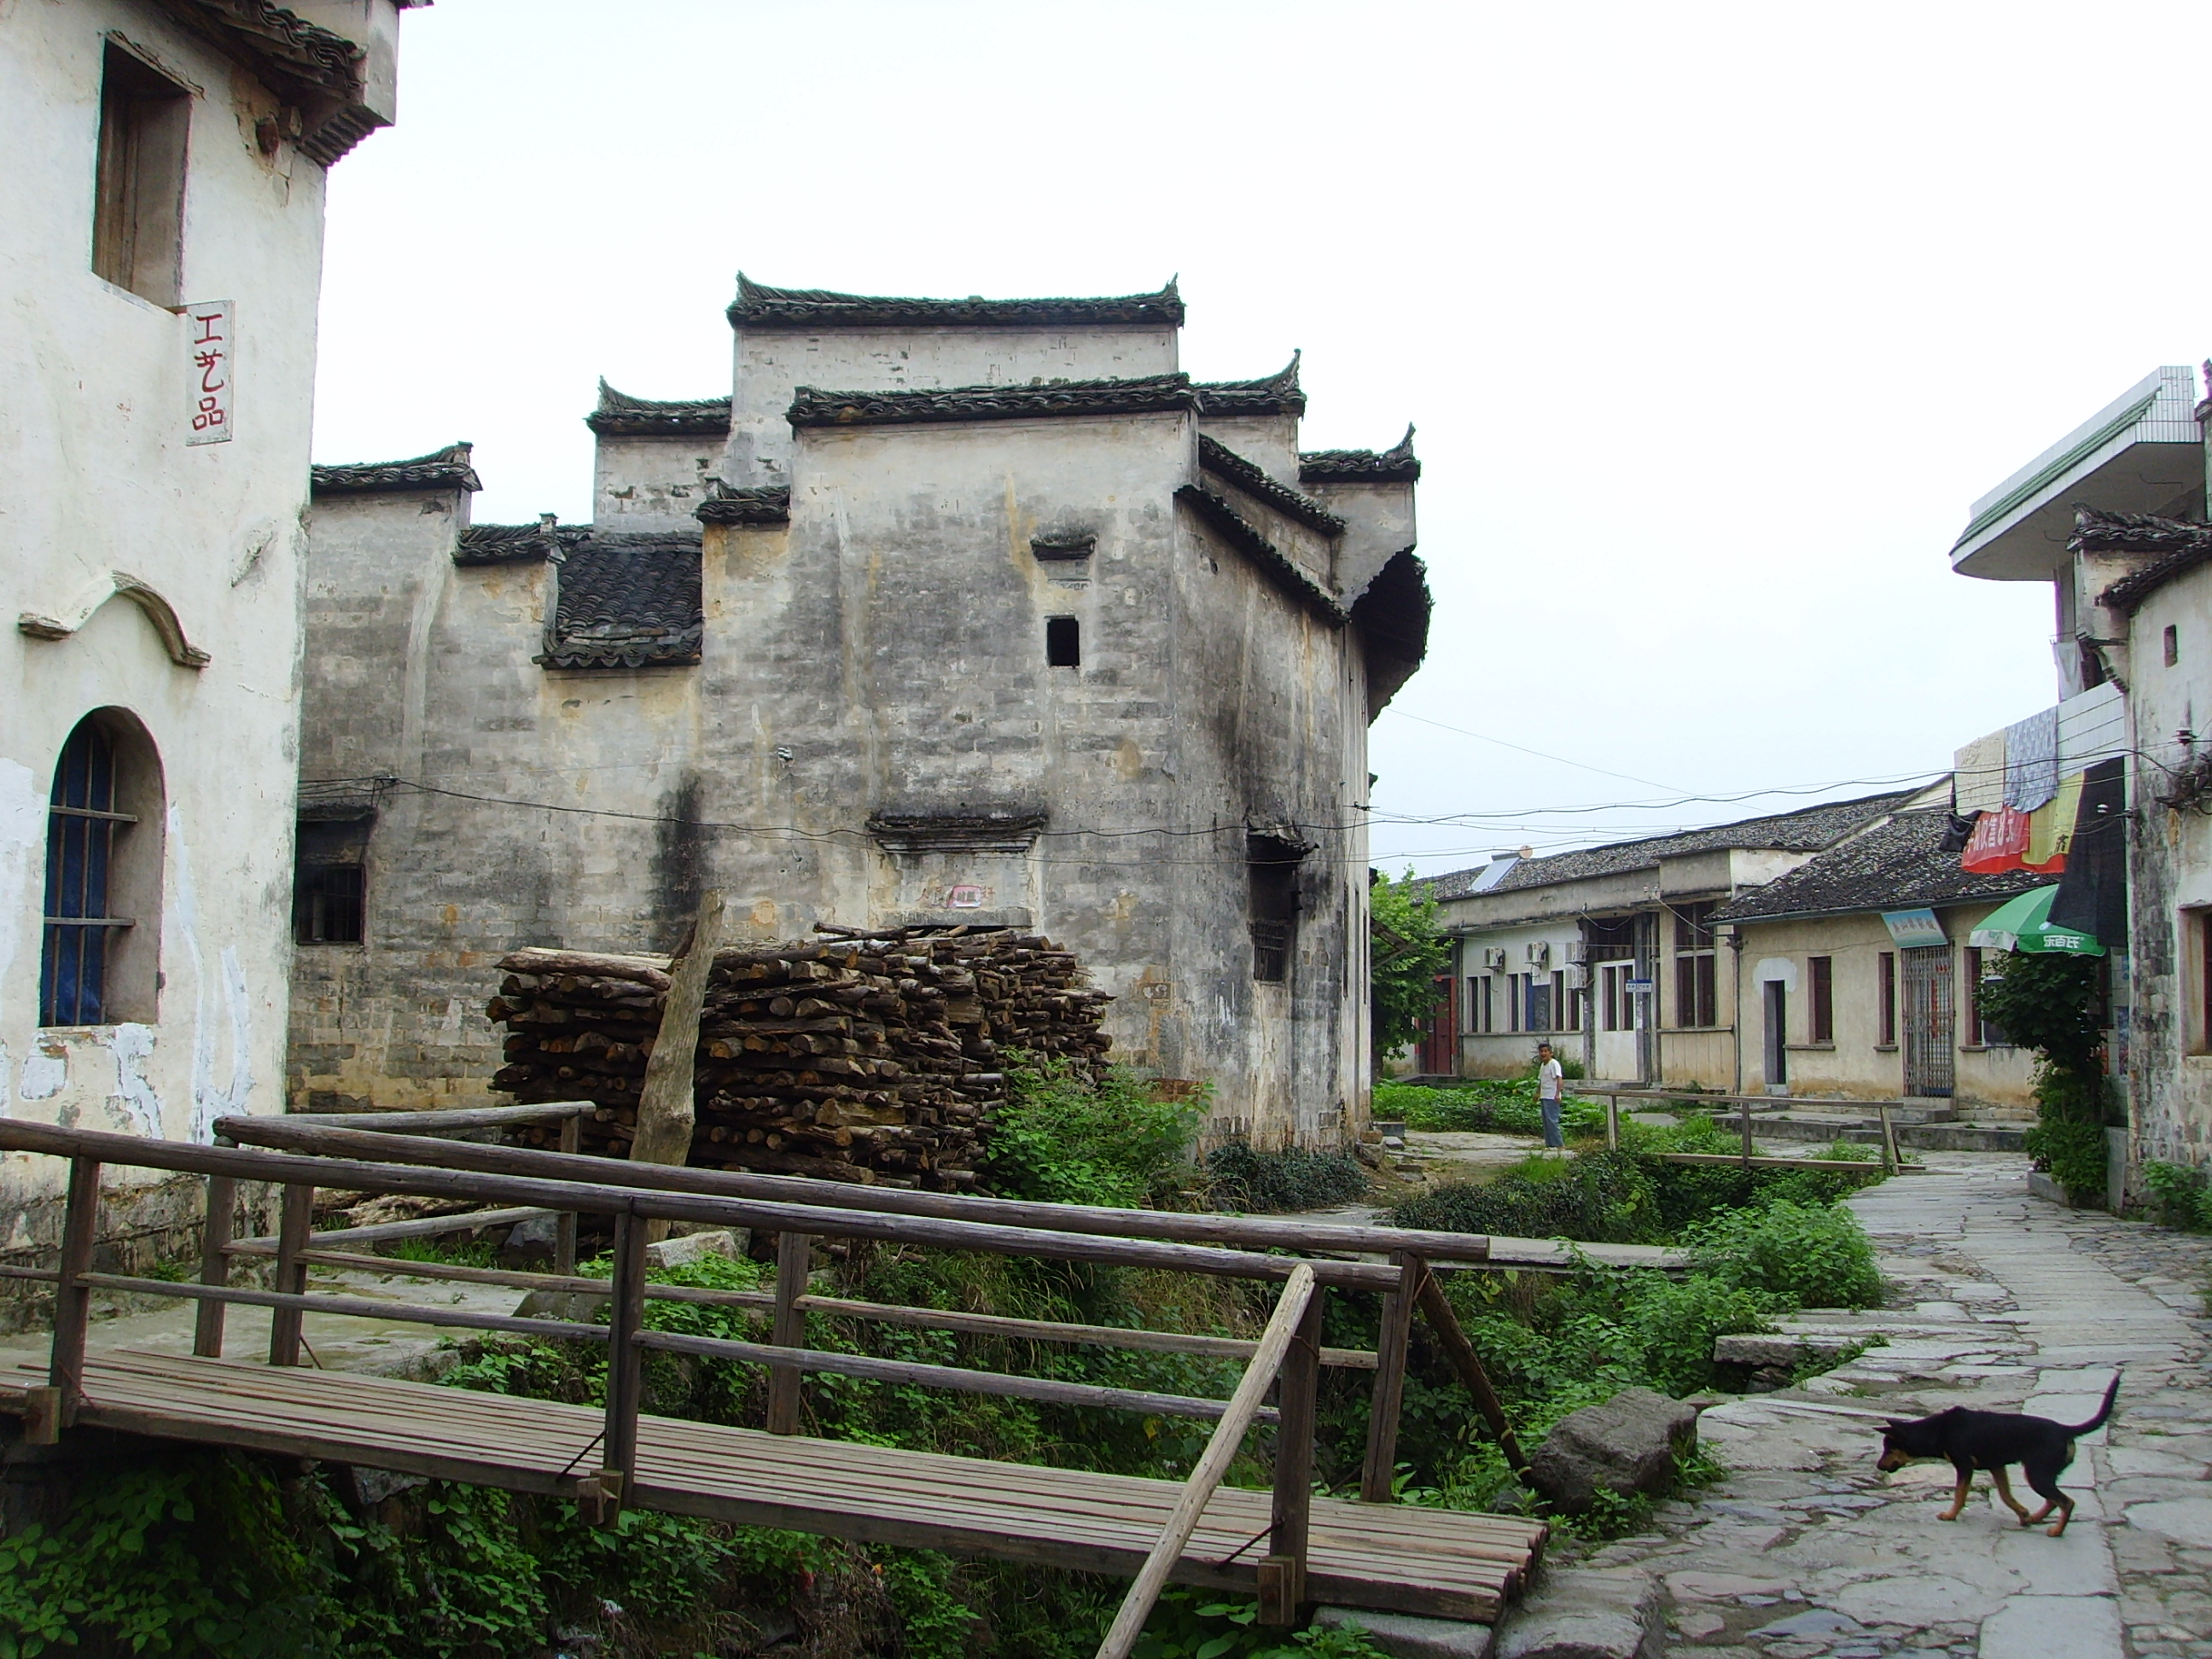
(1713, 318)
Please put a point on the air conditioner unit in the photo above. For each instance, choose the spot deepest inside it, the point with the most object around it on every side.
(1539, 954)
(1577, 976)
(1577, 950)
(1493, 957)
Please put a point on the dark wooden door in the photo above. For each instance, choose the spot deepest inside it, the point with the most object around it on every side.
(1440, 1032)
(1930, 1020)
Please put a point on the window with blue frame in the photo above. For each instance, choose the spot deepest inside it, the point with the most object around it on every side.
(83, 829)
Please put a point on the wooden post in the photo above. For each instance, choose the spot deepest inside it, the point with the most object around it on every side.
(625, 1317)
(1212, 1464)
(1283, 1572)
(1743, 1107)
(294, 1228)
(1612, 1123)
(664, 1106)
(1890, 1159)
(56, 1410)
(1459, 1352)
(564, 1229)
(794, 1255)
(215, 1259)
(1389, 1380)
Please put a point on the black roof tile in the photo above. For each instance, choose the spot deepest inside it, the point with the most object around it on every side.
(2180, 544)
(1899, 864)
(1396, 465)
(759, 504)
(1273, 394)
(620, 414)
(626, 601)
(1151, 394)
(1809, 829)
(1279, 569)
(804, 310)
(441, 469)
(513, 544)
(1226, 463)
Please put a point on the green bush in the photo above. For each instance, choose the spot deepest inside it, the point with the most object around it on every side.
(2183, 1195)
(1240, 1178)
(1060, 1137)
(2072, 1150)
(1487, 1105)
(1817, 1255)
(1601, 1198)
(1188, 1624)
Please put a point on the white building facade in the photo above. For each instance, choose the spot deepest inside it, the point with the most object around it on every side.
(161, 265)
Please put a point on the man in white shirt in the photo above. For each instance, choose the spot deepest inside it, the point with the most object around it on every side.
(1548, 1074)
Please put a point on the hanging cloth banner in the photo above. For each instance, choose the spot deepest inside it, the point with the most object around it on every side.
(2032, 761)
(1999, 839)
(2051, 828)
(1977, 779)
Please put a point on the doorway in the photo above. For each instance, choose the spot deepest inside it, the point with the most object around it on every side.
(1439, 1050)
(1614, 1047)
(1931, 1019)
(1777, 1068)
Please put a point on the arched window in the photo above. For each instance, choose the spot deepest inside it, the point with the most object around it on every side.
(103, 894)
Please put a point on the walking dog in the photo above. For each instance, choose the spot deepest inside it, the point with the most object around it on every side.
(1971, 1440)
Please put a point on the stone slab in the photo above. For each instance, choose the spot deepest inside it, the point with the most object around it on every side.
(2047, 1626)
(1586, 1614)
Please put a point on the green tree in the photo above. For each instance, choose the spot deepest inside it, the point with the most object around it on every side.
(1407, 954)
(2053, 1003)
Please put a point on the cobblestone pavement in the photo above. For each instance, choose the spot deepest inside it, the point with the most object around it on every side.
(2004, 1302)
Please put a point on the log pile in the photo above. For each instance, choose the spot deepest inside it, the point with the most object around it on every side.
(864, 1057)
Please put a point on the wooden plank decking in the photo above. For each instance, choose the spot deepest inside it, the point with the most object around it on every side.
(1443, 1564)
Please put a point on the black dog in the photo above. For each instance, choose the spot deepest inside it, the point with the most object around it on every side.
(1969, 1440)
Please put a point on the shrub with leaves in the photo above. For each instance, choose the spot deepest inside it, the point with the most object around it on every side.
(1407, 953)
(2052, 1003)
(1817, 1255)
(1602, 1198)
(1060, 1137)
(1505, 1106)
(1239, 1177)
(2182, 1195)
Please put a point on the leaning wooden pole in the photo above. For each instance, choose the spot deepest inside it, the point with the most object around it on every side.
(664, 1109)
(1459, 1352)
(1213, 1466)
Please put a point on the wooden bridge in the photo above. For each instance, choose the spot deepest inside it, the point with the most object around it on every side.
(1285, 1545)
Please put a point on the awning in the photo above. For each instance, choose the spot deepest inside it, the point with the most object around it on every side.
(2023, 924)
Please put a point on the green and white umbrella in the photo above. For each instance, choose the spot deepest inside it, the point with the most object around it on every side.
(2023, 924)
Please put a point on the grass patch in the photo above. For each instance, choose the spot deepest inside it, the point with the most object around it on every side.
(1506, 1106)
(1240, 1178)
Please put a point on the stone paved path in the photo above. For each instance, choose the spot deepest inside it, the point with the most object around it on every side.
(1807, 1550)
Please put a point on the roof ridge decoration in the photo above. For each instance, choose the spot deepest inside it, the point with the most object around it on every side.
(1224, 462)
(807, 310)
(2182, 544)
(441, 469)
(1148, 395)
(755, 504)
(1396, 465)
(626, 600)
(1231, 527)
(1278, 393)
(620, 414)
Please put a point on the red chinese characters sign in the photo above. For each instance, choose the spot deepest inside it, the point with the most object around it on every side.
(211, 342)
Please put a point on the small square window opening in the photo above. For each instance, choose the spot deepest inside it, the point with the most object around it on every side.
(2173, 645)
(1063, 642)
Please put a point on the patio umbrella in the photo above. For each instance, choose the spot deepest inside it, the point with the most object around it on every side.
(2024, 924)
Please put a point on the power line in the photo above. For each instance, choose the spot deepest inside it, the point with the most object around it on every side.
(1484, 737)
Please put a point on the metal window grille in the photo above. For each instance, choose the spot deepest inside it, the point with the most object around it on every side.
(82, 828)
(326, 904)
(1823, 975)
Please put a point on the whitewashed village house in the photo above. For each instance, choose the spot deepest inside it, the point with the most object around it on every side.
(1610, 952)
(2112, 517)
(164, 206)
(953, 611)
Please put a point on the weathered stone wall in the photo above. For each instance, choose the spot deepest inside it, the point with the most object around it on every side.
(883, 653)
(98, 479)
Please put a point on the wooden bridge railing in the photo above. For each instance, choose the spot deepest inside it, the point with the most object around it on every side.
(1892, 1161)
(334, 1154)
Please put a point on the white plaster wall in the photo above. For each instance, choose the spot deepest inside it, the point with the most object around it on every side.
(95, 478)
(1270, 442)
(771, 363)
(653, 484)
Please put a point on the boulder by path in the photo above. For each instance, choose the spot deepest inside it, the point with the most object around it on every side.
(1633, 1442)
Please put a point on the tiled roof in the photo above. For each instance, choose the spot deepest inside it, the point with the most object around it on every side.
(1811, 829)
(2181, 545)
(1899, 864)
(513, 544)
(1396, 465)
(620, 414)
(1149, 395)
(1275, 394)
(760, 504)
(626, 601)
(807, 309)
(1231, 527)
(305, 64)
(1226, 463)
(441, 469)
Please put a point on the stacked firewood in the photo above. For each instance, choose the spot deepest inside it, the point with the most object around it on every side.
(867, 1057)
